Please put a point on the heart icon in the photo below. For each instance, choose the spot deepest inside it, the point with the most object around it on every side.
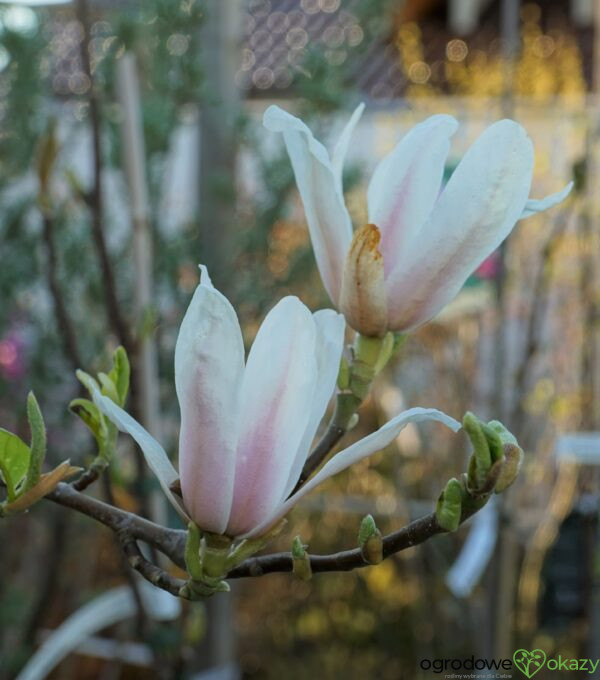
(529, 663)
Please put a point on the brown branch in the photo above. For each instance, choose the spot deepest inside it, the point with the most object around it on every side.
(142, 616)
(332, 436)
(412, 534)
(145, 568)
(86, 478)
(117, 321)
(170, 542)
(130, 528)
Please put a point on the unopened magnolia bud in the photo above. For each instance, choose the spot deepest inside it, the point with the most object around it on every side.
(370, 541)
(300, 560)
(481, 459)
(448, 509)
(513, 458)
(494, 442)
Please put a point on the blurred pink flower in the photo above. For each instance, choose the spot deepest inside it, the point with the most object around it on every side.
(12, 364)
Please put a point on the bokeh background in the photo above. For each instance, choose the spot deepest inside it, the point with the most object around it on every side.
(98, 248)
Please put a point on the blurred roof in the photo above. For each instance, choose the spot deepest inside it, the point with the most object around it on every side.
(277, 34)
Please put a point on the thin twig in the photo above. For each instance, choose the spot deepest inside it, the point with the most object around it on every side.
(149, 571)
(171, 542)
(86, 478)
(412, 534)
(141, 615)
(325, 445)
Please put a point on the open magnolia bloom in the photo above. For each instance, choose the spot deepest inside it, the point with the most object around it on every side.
(422, 241)
(247, 426)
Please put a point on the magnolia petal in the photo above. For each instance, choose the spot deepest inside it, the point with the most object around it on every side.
(365, 447)
(477, 210)
(363, 299)
(278, 384)
(155, 455)
(534, 206)
(209, 365)
(330, 328)
(406, 184)
(340, 150)
(326, 214)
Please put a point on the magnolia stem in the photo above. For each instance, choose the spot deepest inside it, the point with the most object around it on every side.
(328, 441)
(131, 528)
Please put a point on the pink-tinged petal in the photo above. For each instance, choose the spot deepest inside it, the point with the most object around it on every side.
(155, 455)
(328, 220)
(365, 447)
(338, 157)
(279, 383)
(535, 206)
(363, 299)
(329, 346)
(477, 210)
(406, 184)
(209, 366)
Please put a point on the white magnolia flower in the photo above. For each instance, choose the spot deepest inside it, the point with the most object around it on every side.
(247, 426)
(422, 241)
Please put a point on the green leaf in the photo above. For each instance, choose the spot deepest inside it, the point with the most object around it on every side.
(14, 461)
(108, 387)
(120, 373)
(494, 442)
(90, 414)
(38, 442)
(449, 506)
(86, 380)
(300, 560)
(481, 459)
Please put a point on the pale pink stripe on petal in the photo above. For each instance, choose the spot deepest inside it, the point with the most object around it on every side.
(278, 384)
(330, 342)
(477, 210)
(209, 365)
(406, 184)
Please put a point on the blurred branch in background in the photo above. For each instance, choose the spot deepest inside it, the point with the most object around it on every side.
(96, 198)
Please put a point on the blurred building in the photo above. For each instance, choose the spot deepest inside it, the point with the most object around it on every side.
(423, 43)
